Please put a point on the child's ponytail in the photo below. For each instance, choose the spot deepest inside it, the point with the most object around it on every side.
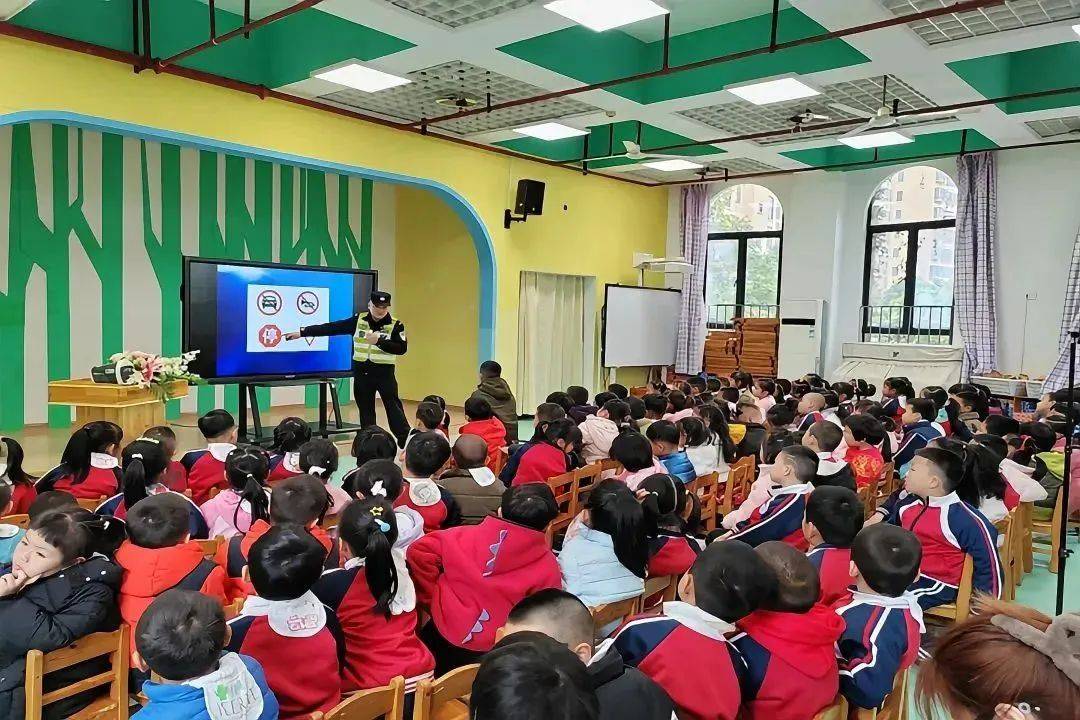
(143, 461)
(615, 511)
(665, 499)
(97, 436)
(716, 419)
(246, 469)
(15, 456)
(369, 528)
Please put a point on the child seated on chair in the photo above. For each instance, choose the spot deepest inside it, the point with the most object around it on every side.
(862, 435)
(483, 422)
(371, 443)
(634, 452)
(655, 409)
(175, 474)
(684, 648)
(600, 430)
(824, 437)
(383, 479)
(546, 413)
(469, 577)
(299, 500)
(58, 588)
(787, 644)
(206, 468)
(810, 410)
(180, 639)
(160, 555)
(471, 482)
(10, 535)
(426, 455)
(369, 597)
(703, 447)
(289, 436)
(834, 516)
(919, 430)
(580, 407)
(605, 560)
(666, 442)
(319, 457)
(624, 693)
(948, 528)
(552, 456)
(89, 467)
(247, 500)
(882, 619)
(429, 418)
(781, 516)
(666, 503)
(285, 627)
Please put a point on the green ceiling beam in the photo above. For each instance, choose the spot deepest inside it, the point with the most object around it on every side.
(1025, 71)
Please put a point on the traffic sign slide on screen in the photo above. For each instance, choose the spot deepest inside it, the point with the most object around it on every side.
(273, 310)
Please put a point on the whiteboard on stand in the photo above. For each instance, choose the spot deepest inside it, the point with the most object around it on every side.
(641, 326)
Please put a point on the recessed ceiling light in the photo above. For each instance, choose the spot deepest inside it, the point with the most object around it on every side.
(876, 139)
(773, 91)
(360, 77)
(551, 131)
(1076, 29)
(673, 165)
(603, 15)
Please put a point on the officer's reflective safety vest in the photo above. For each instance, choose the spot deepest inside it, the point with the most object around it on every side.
(365, 351)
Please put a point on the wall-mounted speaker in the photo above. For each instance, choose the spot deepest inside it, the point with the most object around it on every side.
(530, 201)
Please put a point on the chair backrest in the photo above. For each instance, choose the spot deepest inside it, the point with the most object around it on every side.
(232, 610)
(706, 489)
(1007, 528)
(961, 608)
(586, 479)
(870, 503)
(90, 504)
(610, 465)
(608, 613)
(210, 547)
(895, 705)
(22, 521)
(501, 460)
(431, 694)
(887, 483)
(666, 584)
(740, 477)
(564, 487)
(837, 711)
(113, 703)
(214, 492)
(383, 702)
(330, 522)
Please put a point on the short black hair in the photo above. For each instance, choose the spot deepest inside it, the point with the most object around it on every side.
(549, 411)
(301, 499)
(159, 521)
(364, 479)
(374, 443)
(430, 415)
(477, 408)
(837, 513)
(1001, 425)
(181, 634)
(798, 586)
(216, 423)
(578, 395)
(51, 500)
(663, 431)
(532, 505)
(603, 398)
(619, 391)
(562, 615)
(655, 403)
(285, 562)
(426, 453)
(950, 466)
(926, 408)
(561, 399)
(637, 407)
(829, 435)
(530, 676)
(865, 427)
(780, 415)
(731, 580)
(490, 369)
(888, 557)
(804, 460)
(617, 411)
(6, 491)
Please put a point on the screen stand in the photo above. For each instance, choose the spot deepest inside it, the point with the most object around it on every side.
(249, 405)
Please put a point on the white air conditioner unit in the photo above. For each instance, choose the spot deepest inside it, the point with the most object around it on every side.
(645, 262)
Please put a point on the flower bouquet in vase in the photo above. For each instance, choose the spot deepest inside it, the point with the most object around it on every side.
(156, 373)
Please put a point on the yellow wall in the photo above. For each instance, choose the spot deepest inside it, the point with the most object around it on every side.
(604, 223)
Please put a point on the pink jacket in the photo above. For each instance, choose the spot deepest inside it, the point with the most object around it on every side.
(676, 417)
(220, 511)
(758, 496)
(634, 479)
(597, 434)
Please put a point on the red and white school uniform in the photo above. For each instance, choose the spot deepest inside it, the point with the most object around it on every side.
(284, 466)
(882, 636)
(834, 570)
(780, 518)
(206, 470)
(102, 480)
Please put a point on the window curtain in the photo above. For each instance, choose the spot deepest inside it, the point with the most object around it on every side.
(1070, 321)
(976, 245)
(695, 243)
(551, 331)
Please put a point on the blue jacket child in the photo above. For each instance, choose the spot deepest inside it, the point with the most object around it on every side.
(236, 690)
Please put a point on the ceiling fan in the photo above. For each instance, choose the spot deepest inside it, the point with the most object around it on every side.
(889, 116)
(635, 153)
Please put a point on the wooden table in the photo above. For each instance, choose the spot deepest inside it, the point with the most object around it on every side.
(130, 407)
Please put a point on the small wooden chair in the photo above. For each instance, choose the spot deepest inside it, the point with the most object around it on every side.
(233, 610)
(210, 547)
(384, 702)
(586, 479)
(740, 478)
(1051, 546)
(214, 492)
(445, 698)
(707, 487)
(895, 705)
(610, 465)
(837, 711)
(22, 521)
(1007, 555)
(564, 487)
(887, 482)
(90, 504)
(604, 615)
(1024, 539)
(959, 610)
(112, 705)
(664, 586)
(330, 522)
(501, 459)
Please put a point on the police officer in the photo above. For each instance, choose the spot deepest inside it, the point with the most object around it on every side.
(378, 339)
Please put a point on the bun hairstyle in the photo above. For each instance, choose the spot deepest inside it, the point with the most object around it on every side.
(369, 528)
(93, 437)
(901, 386)
(246, 469)
(742, 380)
(143, 461)
(613, 510)
(79, 533)
(290, 434)
(864, 389)
(618, 412)
(14, 455)
(319, 457)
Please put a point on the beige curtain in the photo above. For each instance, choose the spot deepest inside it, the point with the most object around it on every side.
(551, 336)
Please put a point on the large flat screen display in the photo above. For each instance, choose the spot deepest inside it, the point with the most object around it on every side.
(237, 313)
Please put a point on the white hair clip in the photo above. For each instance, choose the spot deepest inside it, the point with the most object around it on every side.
(378, 489)
(148, 439)
(316, 470)
(136, 455)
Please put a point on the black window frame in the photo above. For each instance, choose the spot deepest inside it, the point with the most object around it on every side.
(743, 237)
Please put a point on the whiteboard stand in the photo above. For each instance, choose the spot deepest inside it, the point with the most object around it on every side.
(640, 327)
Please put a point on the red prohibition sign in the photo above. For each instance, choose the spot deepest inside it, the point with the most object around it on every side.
(269, 302)
(307, 302)
(269, 336)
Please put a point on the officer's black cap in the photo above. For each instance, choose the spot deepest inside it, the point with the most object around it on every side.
(380, 298)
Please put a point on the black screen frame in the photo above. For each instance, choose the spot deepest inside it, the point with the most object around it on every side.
(186, 329)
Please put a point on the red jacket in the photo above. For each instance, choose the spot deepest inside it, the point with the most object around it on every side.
(866, 463)
(791, 663)
(444, 513)
(671, 554)
(204, 473)
(377, 648)
(470, 577)
(231, 557)
(22, 496)
(148, 572)
(280, 470)
(99, 482)
(176, 476)
(834, 568)
(539, 463)
(494, 433)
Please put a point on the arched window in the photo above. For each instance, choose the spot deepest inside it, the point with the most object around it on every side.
(742, 274)
(910, 252)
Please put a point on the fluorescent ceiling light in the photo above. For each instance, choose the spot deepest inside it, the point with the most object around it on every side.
(551, 131)
(360, 77)
(673, 165)
(600, 15)
(876, 140)
(773, 91)
(1076, 29)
